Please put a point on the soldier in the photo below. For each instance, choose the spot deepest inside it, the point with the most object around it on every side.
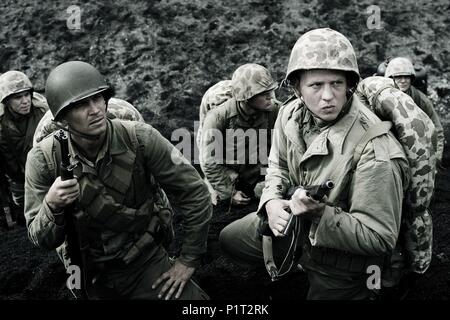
(328, 133)
(113, 162)
(402, 71)
(213, 97)
(117, 108)
(234, 171)
(20, 111)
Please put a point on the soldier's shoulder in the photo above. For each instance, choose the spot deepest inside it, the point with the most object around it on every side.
(40, 102)
(422, 96)
(289, 107)
(224, 111)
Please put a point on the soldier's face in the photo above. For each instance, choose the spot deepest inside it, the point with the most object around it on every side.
(403, 82)
(19, 103)
(324, 92)
(88, 115)
(262, 101)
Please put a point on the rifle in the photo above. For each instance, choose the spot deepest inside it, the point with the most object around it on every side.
(316, 192)
(72, 238)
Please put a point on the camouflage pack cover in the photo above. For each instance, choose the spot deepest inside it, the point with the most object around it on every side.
(400, 67)
(415, 131)
(251, 79)
(322, 49)
(215, 96)
(117, 108)
(13, 82)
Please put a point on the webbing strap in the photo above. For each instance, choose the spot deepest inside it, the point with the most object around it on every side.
(374, 131)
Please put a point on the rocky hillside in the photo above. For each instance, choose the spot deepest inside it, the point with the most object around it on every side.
(163, 55)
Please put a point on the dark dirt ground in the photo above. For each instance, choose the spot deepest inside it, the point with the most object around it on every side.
(163, 55)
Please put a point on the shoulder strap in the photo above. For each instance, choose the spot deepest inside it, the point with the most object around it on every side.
(51, 154)
(374, 131)
(130, 128)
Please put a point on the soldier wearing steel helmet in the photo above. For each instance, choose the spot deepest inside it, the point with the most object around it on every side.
(326, 132)
(117, 108)
(401, 70)
(119, 166)
(252, 111)
(20, 111)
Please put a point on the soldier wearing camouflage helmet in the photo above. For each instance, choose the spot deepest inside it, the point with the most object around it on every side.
(20, 111)
(119, 167)
(231, 165)
(328, 133)
(401, 70)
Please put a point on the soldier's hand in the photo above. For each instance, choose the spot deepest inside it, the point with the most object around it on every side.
(175, 279)
(277, 215)
(240, 199)
(62, 193)
(305, 206)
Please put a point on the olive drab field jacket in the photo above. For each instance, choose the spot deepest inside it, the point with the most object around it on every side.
(118, 194)
(16, 140)
(363, 212)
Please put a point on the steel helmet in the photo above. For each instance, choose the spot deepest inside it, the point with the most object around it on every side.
(71, 82)
(249, 80)
(323, 49)
(12, 82)
(400, 67)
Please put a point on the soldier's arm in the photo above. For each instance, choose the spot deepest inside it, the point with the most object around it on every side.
(413, 128)
(212, 161)
(432, 114)
(43, 230)
(371, 225)
(184, 188)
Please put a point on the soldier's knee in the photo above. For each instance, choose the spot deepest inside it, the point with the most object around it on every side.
(226, 238)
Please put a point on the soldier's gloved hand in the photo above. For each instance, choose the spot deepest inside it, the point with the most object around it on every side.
(175, 279)
(62, 193)
(240, 199)
(305, 206)
(277, 215)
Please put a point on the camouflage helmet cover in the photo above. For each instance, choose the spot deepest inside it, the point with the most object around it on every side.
(12, 82)
(400, 67)
(251, 79)
(71, 82)
(323, 49)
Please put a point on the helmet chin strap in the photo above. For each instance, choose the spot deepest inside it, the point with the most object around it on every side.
(74, 132)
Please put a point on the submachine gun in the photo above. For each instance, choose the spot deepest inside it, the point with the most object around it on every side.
(316, 192)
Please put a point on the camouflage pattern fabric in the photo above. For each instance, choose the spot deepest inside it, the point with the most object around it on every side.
(249, 80)
(400, 67)
(117, 108)
(213, 97)
(426, 105)
(322, 49)
(416, 132)
(13, 82)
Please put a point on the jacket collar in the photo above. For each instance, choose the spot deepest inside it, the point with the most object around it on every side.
(301, 119)
(114, 145)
